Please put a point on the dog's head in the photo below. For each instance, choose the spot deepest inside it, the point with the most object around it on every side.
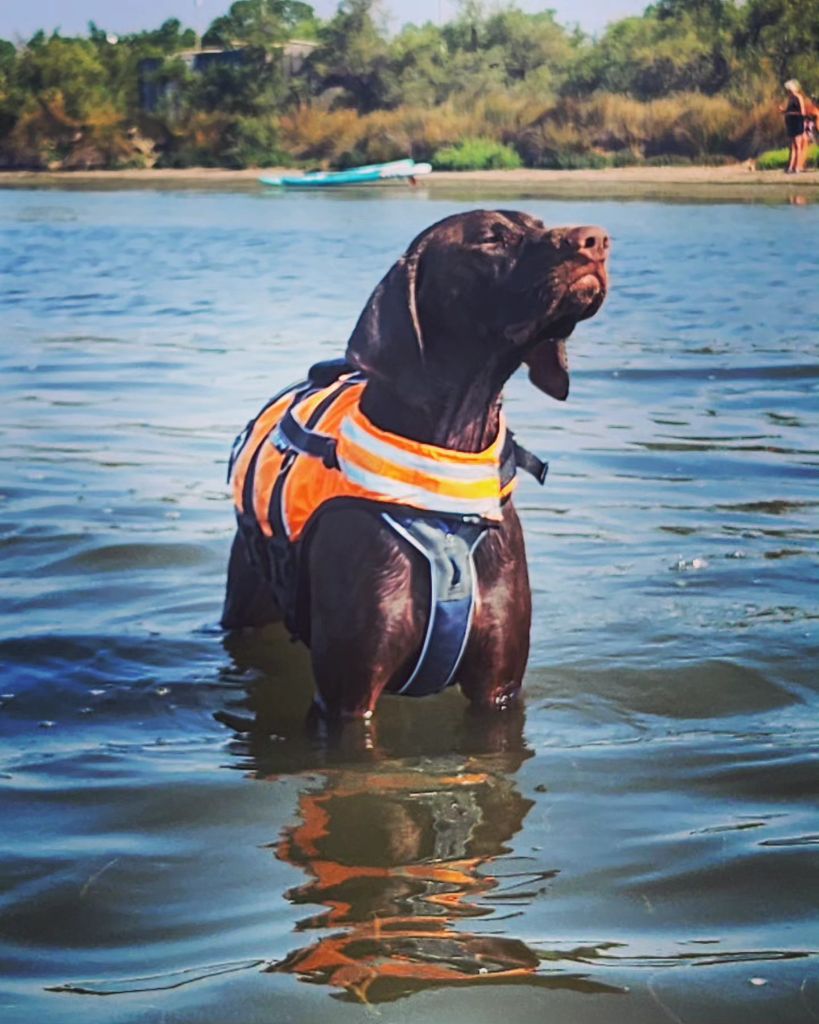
(482, 292)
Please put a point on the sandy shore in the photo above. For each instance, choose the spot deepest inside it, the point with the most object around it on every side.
(726, 181)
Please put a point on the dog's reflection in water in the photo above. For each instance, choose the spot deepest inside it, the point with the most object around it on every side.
(403, 862)
(398, 858)
(404, 839)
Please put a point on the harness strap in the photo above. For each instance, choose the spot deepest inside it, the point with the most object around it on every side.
(242, 438)
(448, 545)
(291, 434)
(528, 461)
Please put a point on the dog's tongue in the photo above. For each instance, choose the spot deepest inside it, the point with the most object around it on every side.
(549, 368)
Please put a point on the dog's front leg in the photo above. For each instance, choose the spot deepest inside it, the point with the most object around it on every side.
(366, 611)
(491, 673)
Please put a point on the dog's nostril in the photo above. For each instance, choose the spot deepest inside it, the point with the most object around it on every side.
(592, 242)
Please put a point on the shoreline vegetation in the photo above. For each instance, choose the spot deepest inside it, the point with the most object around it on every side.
(724, 174)
(737, 181)
(688, 83)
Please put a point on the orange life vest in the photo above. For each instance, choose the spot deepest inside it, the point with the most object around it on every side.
(362, 462)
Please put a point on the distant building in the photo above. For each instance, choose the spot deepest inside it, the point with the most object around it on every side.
(152, 92)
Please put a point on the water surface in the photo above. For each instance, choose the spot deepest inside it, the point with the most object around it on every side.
(639, 845)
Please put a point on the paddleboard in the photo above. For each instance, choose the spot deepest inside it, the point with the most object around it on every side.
(352, 176)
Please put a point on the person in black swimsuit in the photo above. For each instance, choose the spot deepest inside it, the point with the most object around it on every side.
(794, 110)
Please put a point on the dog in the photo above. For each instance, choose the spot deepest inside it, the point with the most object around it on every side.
(474, 297)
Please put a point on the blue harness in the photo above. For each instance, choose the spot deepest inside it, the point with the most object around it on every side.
(448, 545)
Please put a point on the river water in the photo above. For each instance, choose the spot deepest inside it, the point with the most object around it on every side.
(639, 846)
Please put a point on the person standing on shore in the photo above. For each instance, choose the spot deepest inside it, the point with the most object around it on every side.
(795, 110)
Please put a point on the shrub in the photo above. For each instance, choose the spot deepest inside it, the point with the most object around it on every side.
(612, 122)
(316, 135)
(252, 142)
(777, 159)
(431, 129)
(626, 158)
(199, 143)
(579, 161)
(478, 154)
(690, 125)
(379, 137)
(667, 160)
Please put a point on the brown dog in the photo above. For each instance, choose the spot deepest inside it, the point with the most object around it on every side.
(473, 297)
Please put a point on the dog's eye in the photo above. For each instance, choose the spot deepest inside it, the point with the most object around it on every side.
(497, 235)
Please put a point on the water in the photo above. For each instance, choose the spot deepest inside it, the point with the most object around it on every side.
(639, 846)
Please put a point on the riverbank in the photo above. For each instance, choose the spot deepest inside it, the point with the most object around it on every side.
(735, 180)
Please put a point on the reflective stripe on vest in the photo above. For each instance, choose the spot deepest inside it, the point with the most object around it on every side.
(420, 475)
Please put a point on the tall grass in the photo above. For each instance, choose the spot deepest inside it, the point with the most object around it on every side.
(599, 130)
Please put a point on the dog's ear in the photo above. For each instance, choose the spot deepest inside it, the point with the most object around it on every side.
(387, 342)
(549, 369)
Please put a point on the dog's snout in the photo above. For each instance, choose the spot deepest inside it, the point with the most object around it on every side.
(589, 241)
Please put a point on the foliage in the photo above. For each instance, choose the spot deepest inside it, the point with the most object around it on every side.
(777, 159)
(787, 33)
(353, 57)
(669, 49)
(262, 24)
(687, 80)
(476, 155)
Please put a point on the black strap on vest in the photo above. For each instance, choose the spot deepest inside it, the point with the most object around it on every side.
(514, 456)
(242, 438)
(291, 435)
(448, 545)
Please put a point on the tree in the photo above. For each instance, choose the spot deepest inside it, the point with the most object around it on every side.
(261, 24)
(353, 56)
(528, 43)
(785, 32)
(121, 57)
(419, 65)
(49, 66)
(667, 50)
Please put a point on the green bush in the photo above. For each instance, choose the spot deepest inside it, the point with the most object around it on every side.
(777, 159)
(477, 154)
(252, 142)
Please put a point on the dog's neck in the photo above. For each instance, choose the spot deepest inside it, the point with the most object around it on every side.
(463, 418)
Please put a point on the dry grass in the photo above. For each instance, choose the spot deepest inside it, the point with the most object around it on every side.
(313, 134)
(597, 130)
